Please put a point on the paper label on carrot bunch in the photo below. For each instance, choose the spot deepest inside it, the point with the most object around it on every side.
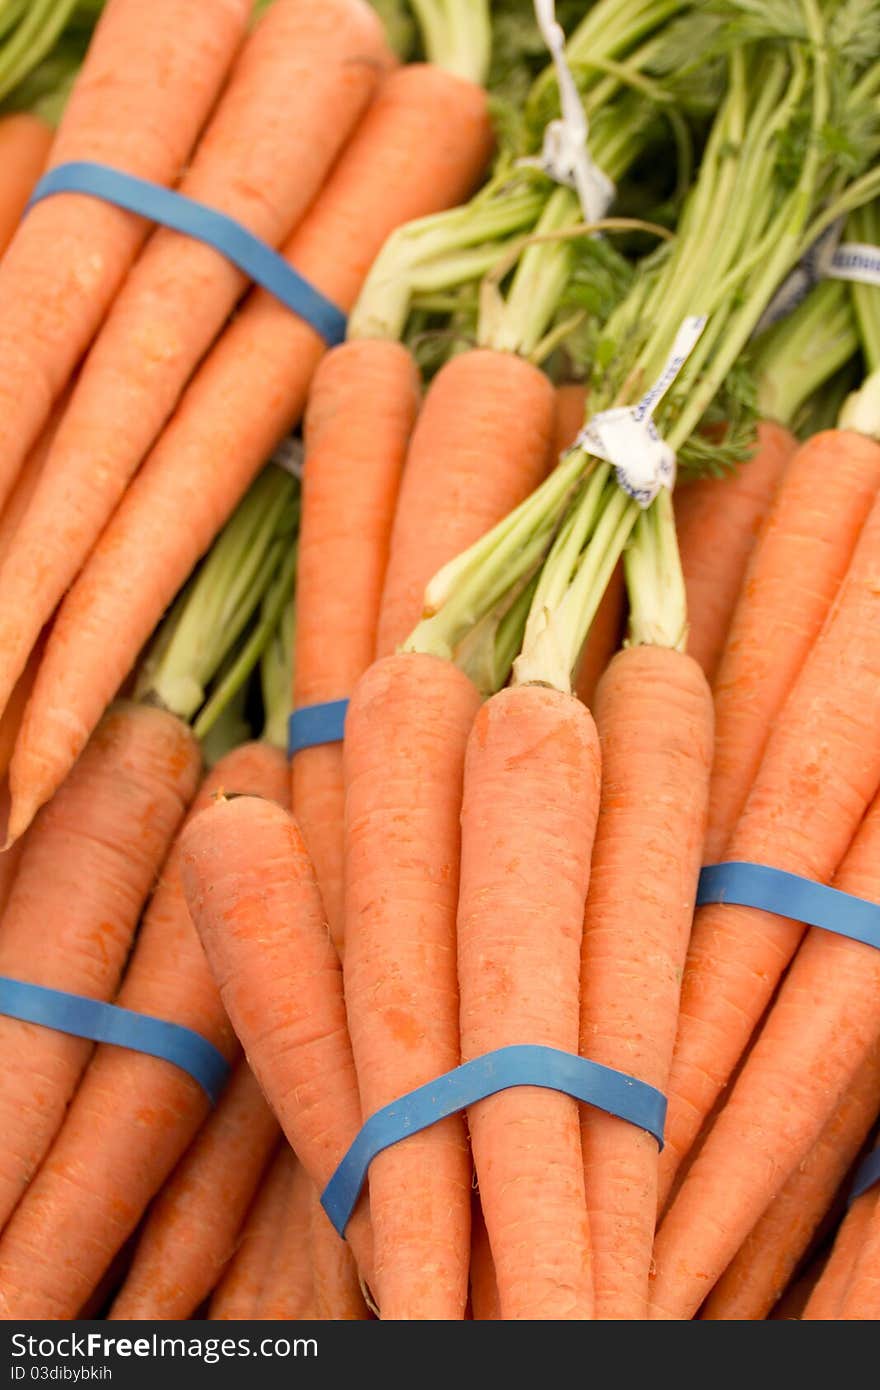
(565, 156)
(856, 261)
(627, 437)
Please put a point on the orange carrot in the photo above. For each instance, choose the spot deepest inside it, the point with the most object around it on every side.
(19, 499)
(253, 898)
(795, 571)
(148, 81)
(654, 714)
(829, 1295)
(717, 520)
(82, 880)
(425, 141)
(759, 1273)
(337, 1290)
(571, 408)
(361, 410)
(531, 798)
(818, 1034)
(239, 1292)
(483, 441)
(10, 858)
(820, 769)
(603, 639)
(192, 1227)
(288, 1293)
(861, 1300)
(25, 140)
(484, 1286)
(10, 719)
(301, 83)
(406, 732)
(133, 1115)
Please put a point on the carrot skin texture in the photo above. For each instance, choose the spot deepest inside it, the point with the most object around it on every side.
(820, 770)
(831, 1289)
(337, 1289)
(639, 909)
(148, 82)
(718, 520)
(485, 1303)
(248, 394)
(240, 1290)
(362, 407)
(531, 798)
(133, 1115)
(482, 443)
(819, 1032)
(86, 870)
(406, 734)
(288, 1291)
(25, 141)
(261, 161)
(759, 1273)
(191, 1230)
(255, 903)
(795, 571)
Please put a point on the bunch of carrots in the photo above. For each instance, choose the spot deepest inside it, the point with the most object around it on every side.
(581, 658)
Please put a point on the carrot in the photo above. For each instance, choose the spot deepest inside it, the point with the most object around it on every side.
(766, 1261)
(425, 140)
(827, 1016)
(603, 639)
(861, 1300)
(239, 1291)
(531, 798)
(483, 441)
(571, 408)
(133, 1115)
(10, 719)
(653, 710)
(793, 1302)
(484, 1286)
(86, 869)
(791, 581)
(9, 860)
(718, 520)
(301, 83)
(829, 1295)
(406, 732)
(253, 898)
(24, 147)
(288, 1292)
(191, 1229)
(19, 498)
(148, 81)
(337, 1289)
(361, 410)
(801, 814)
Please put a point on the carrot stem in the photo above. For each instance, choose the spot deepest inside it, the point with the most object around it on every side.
(457, 35)
(801, 352)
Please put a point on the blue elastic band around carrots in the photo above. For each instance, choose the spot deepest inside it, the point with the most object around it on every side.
(257, 260)
(106, 1023)
(313, 725)
(525, 1065)
(867, 1175)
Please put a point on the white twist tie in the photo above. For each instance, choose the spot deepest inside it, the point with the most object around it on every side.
(627, 436)
(857, 261)
(565, 156)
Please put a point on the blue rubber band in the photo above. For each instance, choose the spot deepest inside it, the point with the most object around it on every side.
(106, 1023)
(867, 1175)
(313, 725)
(790, 895)
(253, 257)
(526, 1065)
